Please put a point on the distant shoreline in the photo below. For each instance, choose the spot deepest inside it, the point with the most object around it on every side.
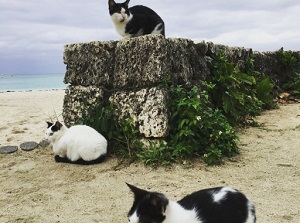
(30, 82)
(33, 90)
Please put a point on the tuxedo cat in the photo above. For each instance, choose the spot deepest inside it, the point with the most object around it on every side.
(78, 144)
(214, 205)
(135, 21)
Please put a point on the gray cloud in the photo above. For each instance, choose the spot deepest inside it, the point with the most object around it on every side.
(33, 33)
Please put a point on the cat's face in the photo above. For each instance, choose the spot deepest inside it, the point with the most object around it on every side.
(119, 11)
(53, 131)
(148, 207)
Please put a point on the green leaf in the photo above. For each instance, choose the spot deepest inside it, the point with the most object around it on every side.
(264, 89)
(227, 105)
(245, 78)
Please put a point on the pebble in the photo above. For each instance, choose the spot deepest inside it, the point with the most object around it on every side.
(27, 146)
(8, 149)
(44, 143)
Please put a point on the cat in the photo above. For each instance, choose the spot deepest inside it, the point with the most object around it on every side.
(135, 21)
(79, 144)
(214, 205)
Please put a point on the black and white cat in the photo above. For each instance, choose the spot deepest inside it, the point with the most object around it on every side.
(214, 205)
(135, 21)
(79, 144)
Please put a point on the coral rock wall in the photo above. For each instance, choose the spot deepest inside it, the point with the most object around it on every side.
(129, 71)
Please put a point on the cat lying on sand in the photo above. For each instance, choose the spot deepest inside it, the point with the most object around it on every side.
(78, 144)
(214, 205)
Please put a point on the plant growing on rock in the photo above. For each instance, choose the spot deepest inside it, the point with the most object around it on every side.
(122, 135)
(201, 120)
(290, 60)
(197, 130)
(237, 94)
(293, 85)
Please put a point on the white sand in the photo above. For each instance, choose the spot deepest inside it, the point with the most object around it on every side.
(33, 188)
(23, 115)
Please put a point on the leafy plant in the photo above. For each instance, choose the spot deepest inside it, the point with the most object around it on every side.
(200, 129)
(288, 58)
(157, 153)
(201, 120)
(239, 95)
(197, 130)
(99, 117)
(122, 135)
(127, 137)
(293, 85)
(264, 88)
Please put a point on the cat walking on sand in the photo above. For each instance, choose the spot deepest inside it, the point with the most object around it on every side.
(79, 144)
(135, 21)
(214, 205)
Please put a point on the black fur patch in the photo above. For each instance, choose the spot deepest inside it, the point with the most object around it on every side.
(149, 206)
(232, 208)
(56, 127)
(100, 159)
(116, 7)
(49, 124)
(144, 18)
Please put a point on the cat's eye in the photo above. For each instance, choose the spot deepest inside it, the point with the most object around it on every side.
(51, 134)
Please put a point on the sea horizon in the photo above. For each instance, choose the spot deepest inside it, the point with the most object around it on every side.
(29, 82)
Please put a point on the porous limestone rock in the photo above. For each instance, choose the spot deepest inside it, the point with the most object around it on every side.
(237, 55)
(141, 62)
(270, 64)
(146, 61)
(129, 73)
(147, 108)
(90, 63)
(188, 66)
(78, 99)
(267, 63)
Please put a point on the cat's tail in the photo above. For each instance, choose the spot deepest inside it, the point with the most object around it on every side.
(100, 159)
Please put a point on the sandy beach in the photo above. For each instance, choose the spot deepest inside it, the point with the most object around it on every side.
(35, 189)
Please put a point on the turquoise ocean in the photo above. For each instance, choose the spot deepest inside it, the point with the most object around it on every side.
(26, 82)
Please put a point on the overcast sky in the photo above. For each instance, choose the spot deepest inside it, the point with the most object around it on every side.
(33, 33)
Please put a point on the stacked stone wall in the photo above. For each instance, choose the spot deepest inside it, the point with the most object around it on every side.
(129, 72)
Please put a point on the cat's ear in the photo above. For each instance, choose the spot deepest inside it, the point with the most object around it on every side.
(49, 124)
(58, 125)
(138, 193)
(111, 3)
(159, 201)
(127, 2)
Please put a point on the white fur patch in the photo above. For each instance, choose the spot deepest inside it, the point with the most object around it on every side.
(120, 21)
(251, 217)
(134, 218)
(177, 214)
(77, 142)
(218, 196)
(157, 30)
